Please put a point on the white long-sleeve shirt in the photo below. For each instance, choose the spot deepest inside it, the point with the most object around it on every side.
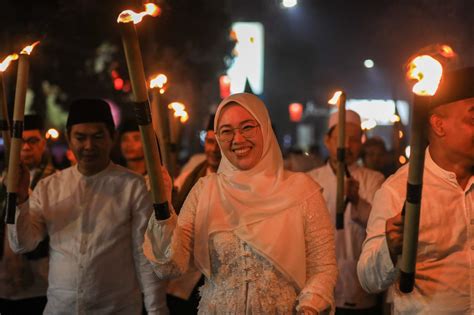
(349, 293)
(96, 226)
(445, 258)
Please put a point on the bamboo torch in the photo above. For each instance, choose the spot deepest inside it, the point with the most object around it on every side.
(177, 116)
(4, 123)
(127, 20)
(17, 132)
(339, 98)
(159, 116)
(428, 71)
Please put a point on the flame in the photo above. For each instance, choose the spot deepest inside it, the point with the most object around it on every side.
(28, 49)
(428, 72)
(6, 62)
(395, 118)
(184, 118)
(447, 51)
(128, 16)
(335, 98)
(52, 134)
(179, 111)
(158, 81)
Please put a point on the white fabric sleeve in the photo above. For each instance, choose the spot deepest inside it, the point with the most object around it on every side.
(154, 289)
(321, 273)
(29, 228)
(169, 243)
(375, 269)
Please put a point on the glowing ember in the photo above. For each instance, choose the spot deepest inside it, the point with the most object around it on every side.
(447, 51)
(335, 98)
(128, 16)
(158, 81)
(28, 49)
(6, 62)
(428, 72)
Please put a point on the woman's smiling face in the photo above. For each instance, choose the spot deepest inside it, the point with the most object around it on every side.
(240, 136)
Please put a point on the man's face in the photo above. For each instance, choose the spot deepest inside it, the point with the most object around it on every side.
(131, 146)
(374, 157)
(91, 144)
(212, 150)
(33, 148)
(353, 143)
(457, 136)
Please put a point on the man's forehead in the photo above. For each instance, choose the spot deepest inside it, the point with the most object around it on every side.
(88, 128)
(32, 133)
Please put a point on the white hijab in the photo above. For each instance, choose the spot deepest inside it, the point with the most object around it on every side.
(253, 203)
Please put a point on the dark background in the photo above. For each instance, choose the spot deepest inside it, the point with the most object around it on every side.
(310, 50)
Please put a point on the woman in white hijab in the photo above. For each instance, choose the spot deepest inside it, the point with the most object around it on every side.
(261, 235)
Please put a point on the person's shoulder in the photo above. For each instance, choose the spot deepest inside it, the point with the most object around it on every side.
(124, 175)
(58, 177)
(304, 180)
(315, 173)
(368, 174)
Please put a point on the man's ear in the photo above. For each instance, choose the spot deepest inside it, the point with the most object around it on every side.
(437, 125)
(326, 140)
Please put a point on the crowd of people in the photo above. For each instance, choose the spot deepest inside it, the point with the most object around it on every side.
(248, 232)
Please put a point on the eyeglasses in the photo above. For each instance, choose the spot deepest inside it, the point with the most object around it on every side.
(247, 131)
(31, 141)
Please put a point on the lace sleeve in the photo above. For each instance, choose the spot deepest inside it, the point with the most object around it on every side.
(169, 243)
(318, 292)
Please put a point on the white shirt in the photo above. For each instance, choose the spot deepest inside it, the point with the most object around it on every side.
(96, 226)
(349, 293)
(22, 278)
(445, 258)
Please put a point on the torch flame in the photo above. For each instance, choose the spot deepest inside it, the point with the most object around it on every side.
(128, 16)
(179, 111)
(6, 62)
(447, 51)
(428, 72)
(184, 117)
(335, 98)
(28, 49)
(158, 81)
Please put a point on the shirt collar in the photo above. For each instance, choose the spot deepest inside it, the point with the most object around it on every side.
(442, 173)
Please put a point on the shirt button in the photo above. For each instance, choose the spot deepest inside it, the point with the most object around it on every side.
(472, 221)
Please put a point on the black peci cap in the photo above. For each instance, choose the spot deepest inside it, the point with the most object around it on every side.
(455, 86)
(90, 111)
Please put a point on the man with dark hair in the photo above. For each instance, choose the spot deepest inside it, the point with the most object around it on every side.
(131, 147)
(24, 278)
(186, 180)
(95, 214)
(374, 154)
(444, 262)
(183, 294)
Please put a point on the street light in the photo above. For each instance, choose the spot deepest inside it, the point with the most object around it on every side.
(289, 3)
(368, 63)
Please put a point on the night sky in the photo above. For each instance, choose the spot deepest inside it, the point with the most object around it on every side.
(310, 50)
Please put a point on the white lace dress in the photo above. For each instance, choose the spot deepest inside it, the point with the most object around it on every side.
(242, 281)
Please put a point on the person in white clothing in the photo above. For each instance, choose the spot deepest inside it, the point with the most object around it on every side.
(361, 184)
(261, 235)
(445, 257)
(95, 214)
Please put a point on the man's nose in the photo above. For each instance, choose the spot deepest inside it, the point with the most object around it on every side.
(88, 143)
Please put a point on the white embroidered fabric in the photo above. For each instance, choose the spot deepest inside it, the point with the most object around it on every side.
(242, 281)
